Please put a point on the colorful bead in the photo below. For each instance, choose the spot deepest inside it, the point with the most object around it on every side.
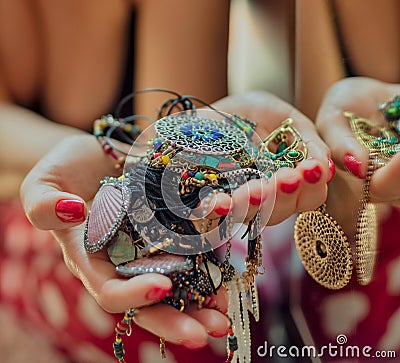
(157, 143)
(157, 155)
(118, 350)
(107, 149)
(185, 175)
(165, 159)
(192, 174)
(199, 175)
(212, 177)
(233, 345)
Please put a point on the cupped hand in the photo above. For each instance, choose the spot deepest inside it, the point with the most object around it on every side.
(361, 96)
(292, 190)
(71, 173)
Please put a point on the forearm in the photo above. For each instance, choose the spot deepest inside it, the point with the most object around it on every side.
(25, 138)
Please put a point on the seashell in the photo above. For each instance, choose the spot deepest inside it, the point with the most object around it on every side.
(140, 211)
(121, 249)
(106, 216)
(214, 273)
(164, 264)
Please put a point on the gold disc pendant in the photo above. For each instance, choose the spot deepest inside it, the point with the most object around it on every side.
(323, 248)
(366, 243)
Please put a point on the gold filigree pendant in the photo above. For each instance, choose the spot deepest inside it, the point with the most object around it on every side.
(323, 248)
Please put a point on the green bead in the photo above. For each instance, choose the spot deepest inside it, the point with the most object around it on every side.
(199, 175)
(293, 153)
(282, 147)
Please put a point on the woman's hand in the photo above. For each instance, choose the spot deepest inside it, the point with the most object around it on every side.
(55, 193)
(362, 97)
(293, 190)
(71, 172)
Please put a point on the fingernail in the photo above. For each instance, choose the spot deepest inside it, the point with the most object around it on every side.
(190, 345)
(353, 165)
(70, 210)
(257, 200)
(218, 334)
(157, 293)
(287, 187)
(312, 175)
(332, 168)
(209, 302)
(222, 211)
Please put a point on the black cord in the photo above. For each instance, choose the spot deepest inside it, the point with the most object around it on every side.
(132, 95)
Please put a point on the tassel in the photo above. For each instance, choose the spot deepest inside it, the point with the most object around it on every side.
(239, 316)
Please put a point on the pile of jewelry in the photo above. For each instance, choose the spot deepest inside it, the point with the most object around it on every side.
(153, 218)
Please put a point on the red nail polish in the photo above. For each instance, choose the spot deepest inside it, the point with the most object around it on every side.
(312, 175)
(332, 168)
(287, 187)
(70, 210)
(216, 334)
(353, 165)
(157, 293)
(190, 345)
(222, 211)
(209, 302)
(257, 200)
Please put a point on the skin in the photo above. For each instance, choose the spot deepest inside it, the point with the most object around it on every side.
(335, 129)
(41, 61)
(360, 33)
(60, 175)
(45, 56)
(50, 180)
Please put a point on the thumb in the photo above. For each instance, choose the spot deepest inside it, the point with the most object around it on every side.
(49, 208)
(50, 191)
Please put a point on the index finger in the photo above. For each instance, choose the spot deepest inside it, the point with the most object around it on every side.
(357, 95)
(55, 190)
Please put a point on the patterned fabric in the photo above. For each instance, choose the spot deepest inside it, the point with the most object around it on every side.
(39, 295)
(366, 315)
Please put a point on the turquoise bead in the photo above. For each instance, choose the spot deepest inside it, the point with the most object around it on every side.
(282, 146)
(199, 175)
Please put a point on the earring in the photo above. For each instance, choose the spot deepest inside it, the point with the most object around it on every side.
(323, 248)
(382, 143)
(366, 238)
(391, 112)
(381, 140)
(284, 145)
